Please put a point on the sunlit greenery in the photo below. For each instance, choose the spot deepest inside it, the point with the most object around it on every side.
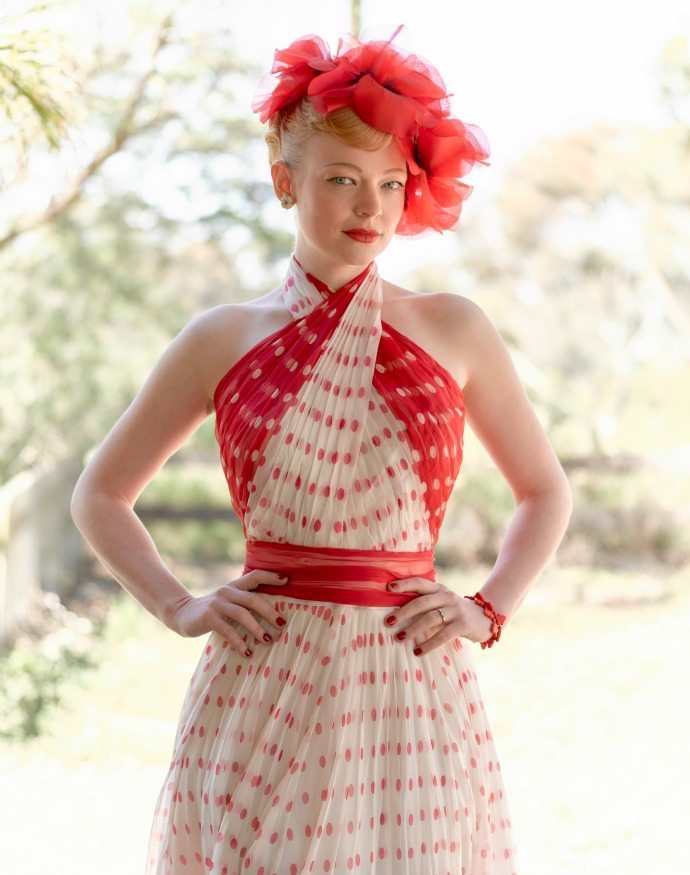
(587, 693)
(136, 193)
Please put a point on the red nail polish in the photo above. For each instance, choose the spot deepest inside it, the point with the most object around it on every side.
(390, 620)
(247, 652)
(267, 638)
(401, 635)
(417, 651)
(392, 586)
(281, 621)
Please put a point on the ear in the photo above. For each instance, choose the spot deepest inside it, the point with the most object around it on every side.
(282, 181)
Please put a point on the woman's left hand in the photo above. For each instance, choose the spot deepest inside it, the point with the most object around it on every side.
(421, 622)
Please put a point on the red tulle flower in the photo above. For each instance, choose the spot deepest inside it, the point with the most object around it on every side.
(435, 193)
(292, 71)
(387, 89)
(393, 91)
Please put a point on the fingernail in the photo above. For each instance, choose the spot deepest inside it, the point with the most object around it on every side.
(390, 621)
(401, 635)
(267, 638)
(417, 651)
(282, 577)
(392, 586)
(281, 621)
(247, 652)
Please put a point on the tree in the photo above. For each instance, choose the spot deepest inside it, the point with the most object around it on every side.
(159, 172)
(38, 91)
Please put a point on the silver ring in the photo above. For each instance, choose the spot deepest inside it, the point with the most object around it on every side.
(442, 614)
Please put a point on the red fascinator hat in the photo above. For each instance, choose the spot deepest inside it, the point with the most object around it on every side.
(393, 91)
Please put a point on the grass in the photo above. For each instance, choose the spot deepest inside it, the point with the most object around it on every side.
(587, 703)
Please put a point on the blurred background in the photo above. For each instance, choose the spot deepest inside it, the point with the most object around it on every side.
(136, 192)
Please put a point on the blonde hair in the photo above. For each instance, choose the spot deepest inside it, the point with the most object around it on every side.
(288, 132)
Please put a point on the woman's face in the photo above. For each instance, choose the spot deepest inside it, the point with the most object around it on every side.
(339, 188)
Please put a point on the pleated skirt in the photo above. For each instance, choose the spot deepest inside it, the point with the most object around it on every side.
(333, 749)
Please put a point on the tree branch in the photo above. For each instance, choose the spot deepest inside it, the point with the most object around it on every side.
(124, 131)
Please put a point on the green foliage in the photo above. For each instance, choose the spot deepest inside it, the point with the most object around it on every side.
(628, 518)
(97, 285)
(619, 518)
(486, 491)
(39, 90)
(478, 512)
(588, 282)
(187, 484)
(198, 541)
(77, 341)
(583, 268)
(35, 671)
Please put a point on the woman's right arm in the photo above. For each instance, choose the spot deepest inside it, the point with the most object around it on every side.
(175, 399)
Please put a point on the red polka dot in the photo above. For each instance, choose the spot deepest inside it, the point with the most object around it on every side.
(337, 431)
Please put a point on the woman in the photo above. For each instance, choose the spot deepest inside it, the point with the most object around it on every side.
(334, 722)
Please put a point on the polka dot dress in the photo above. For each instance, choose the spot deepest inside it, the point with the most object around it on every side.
(334, 748)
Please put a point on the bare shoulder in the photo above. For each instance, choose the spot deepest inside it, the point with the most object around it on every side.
(451, 327)
(465, 313)
(172, 402)
(499, 410)
(221, 335)
(459, 313)
(204, 342)
(467, 332)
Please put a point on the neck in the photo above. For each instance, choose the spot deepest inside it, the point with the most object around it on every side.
(334, 275)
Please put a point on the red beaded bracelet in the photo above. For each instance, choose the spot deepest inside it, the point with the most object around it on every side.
(497, 620)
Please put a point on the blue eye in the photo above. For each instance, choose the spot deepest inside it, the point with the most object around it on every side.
(391, 185)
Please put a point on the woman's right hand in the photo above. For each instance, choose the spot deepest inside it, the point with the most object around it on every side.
(233, 601)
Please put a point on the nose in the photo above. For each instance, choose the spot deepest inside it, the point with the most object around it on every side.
(368, 200)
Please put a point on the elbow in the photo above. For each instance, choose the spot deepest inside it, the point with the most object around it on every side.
(79, 501)
(563, 498)
(558, 487)
(566, 513)
(565, 491)
(76, 507)
(555, 492)
(90, 498)
(569, 498)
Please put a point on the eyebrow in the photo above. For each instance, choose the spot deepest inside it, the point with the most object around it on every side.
(347, 164)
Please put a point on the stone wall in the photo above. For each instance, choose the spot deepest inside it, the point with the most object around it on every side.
(40, 548)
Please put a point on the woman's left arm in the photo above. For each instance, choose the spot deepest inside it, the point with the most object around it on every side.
(501, 415)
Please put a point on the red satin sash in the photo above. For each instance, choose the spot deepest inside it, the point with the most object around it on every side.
(335, 574)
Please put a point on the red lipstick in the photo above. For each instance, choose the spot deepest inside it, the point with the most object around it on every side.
(362, 235)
